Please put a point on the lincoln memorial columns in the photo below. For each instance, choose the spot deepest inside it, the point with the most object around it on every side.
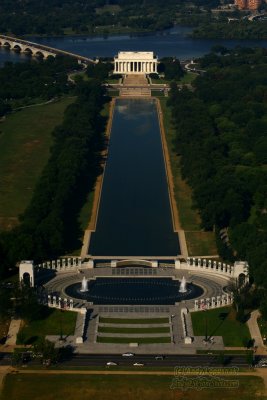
(135, 62)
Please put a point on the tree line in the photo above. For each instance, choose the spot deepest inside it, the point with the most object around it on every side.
(46, 17)
(22, 83)
(221, 135)
(49, 226)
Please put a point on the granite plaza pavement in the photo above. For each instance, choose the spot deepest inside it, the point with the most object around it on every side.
(212, 286)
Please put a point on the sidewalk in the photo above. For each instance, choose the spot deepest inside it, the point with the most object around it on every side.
(13, 331)
(255, 332)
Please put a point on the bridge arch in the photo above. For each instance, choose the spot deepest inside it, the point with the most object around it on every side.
(39, 53)
(7, 44)
(17, 47)
(28, 50)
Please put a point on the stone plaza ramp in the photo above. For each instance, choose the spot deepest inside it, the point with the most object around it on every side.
(135, 86)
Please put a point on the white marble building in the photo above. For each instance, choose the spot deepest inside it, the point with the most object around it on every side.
(135, 62)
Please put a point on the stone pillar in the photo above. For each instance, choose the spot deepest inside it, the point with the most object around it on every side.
(54, 301)
(214, 265)
(219, 266)
(204, 262)
(194, 261)
(212, 302)
(177, 264)
(53, 264)
(207, 303)
(69, 263)
(49, 300)
(59, 302)
(58, 264)
(188, 261)
(223, 266)
(71, 304)
(199, 262)
(63, 263)
(65, 303)
(91, 264)
(196, 305)
(218, 301)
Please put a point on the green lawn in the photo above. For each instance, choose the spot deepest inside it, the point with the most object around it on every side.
(201, 243)
(188, 77)
(107, 329)
(221, 322)
(129, 387)
(139, 321)
(144, 340)
(25, 139)
(50, 325)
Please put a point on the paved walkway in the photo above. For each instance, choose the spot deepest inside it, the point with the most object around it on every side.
(255, 332)
(13, 331)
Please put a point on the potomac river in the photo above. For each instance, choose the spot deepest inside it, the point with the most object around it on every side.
(171, 42)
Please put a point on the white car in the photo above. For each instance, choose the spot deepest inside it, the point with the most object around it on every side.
(111, 363)
(128, 355)
(138, 364)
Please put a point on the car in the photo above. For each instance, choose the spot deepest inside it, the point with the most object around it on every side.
(138, 364)
(127, 354)
(159, 358)
(111, 363)
(262, 365)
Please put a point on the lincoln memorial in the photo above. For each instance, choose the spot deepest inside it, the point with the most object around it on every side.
(135, 62)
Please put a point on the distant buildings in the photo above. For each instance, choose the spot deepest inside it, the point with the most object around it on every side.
(248, 4)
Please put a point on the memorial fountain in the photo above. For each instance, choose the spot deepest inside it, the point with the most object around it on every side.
(182, 288)
(84, 287)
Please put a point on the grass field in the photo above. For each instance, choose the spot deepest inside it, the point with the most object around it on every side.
(25, 139)
(107, 329)
(221, 322)
(128, 387)
(141, 339)
(138, 321)
(51, 325)
(199, 243)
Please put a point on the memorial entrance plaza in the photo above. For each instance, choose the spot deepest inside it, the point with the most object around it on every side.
(145, 295)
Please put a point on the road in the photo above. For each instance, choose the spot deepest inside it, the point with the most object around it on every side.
(100, 360)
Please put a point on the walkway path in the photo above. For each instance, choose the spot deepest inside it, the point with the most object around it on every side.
(255, 332)
(13, 331)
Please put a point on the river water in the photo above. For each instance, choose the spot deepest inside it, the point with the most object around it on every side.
(134, 216)
(171, 42)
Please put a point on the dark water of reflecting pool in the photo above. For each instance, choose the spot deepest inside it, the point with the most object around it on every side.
(134, 291)
(135, 216)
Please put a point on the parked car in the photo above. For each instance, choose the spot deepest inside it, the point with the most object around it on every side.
(137, 364)
(111, 363)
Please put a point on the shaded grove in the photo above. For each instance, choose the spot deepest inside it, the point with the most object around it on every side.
(221, 136)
